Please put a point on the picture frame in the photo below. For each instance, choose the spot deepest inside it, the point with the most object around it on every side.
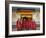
(11, 6)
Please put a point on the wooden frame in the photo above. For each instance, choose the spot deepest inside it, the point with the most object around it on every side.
(7, 18)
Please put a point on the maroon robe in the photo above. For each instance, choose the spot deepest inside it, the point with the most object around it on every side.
(29, 24)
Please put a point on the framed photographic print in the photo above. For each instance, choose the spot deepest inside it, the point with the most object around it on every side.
(24, 18)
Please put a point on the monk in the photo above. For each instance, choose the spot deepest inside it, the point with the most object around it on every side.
(31, 24)
(26, 24)
(18, 25)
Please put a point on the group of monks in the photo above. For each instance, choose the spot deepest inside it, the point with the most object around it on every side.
(25, 24)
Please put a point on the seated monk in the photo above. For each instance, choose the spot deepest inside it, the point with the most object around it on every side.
(25, 24)
(18, 25)
(28, 24)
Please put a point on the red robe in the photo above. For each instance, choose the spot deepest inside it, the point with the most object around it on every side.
(26, 25)
(18, 25)
(31, 24)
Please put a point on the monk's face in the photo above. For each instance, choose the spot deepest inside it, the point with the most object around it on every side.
(24, 19)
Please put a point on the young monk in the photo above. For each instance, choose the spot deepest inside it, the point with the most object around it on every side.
(31, 24)
(26, 24)
(18, 25)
